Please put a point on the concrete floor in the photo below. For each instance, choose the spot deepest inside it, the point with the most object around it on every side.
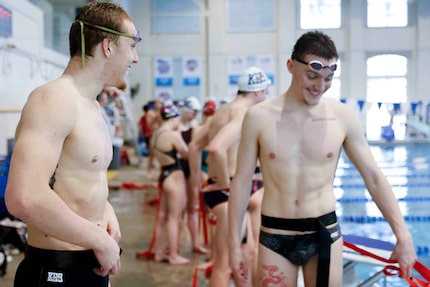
(136, 218)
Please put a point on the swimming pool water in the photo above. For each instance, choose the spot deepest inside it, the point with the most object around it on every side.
(406, 167)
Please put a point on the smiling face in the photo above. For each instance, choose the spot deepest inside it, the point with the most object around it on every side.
(310, 84)
(123, 53)
(312, 65)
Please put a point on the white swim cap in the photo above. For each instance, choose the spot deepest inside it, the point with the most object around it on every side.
(253, 79)
(192, 103)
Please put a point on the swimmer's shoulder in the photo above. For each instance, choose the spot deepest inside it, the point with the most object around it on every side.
(267, 107)
(59, 90)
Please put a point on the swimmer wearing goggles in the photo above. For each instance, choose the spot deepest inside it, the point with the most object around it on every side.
(316, 65)
(136, 37)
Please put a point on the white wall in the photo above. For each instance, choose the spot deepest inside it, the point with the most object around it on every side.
(24, 64)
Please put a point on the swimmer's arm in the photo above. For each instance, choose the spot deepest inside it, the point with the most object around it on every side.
(198, 142)
(242, 180)
(112, 226)
(240, 193)
(217, 149)
(153, 120)
(181, 146)
(44, 125)
(357, 149)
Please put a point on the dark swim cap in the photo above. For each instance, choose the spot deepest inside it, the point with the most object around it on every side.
(169, 111)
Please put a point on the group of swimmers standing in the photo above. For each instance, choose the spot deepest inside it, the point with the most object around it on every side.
(295, 139)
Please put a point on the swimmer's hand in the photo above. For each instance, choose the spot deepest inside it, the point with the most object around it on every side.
(404, 253)
(108, 256)
(112, 226)
(240, 267)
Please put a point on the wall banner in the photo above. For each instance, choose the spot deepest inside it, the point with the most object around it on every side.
(191, 71)
(163, 69)
(235, 66)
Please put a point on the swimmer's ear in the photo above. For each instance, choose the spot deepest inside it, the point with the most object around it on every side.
(289, 65)
(106, 46)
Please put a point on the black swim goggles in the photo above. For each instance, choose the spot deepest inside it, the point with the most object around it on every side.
(136, 36)
(316, 65)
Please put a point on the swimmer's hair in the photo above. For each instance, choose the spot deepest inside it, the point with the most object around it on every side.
(315, 43)
(109, 15)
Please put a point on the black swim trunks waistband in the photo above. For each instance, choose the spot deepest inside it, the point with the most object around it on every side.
(301, 224)
(62, 258)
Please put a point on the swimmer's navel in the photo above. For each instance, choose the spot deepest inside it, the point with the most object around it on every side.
(95, 158)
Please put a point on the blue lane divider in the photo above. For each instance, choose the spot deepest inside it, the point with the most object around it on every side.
(362, 199)
(405, 175)
(361, 185)
(422, 250)
(373, 219)
(390, 166)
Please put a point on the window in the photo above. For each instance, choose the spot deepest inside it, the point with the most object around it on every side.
(320, 14)
(251, 15)
(386, 79)
(5, 22)
(387, 13)
(179, 16)
(386, 86)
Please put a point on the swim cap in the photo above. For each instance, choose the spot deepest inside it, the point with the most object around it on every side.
(169, 111)
(192, 103)
(209, 108)
(253, 79)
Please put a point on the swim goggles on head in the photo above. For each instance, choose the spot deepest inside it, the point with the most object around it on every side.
(316, 65)
(136, 37)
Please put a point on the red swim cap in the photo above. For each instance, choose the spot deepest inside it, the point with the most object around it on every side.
(209, 108)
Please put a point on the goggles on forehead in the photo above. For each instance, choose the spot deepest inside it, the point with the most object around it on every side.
(136, 36)
(316, 65)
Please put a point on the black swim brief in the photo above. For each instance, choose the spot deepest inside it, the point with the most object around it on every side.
(298, 249)
(215, 197)
(185, 167)
(49, 268)
(168, 170)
